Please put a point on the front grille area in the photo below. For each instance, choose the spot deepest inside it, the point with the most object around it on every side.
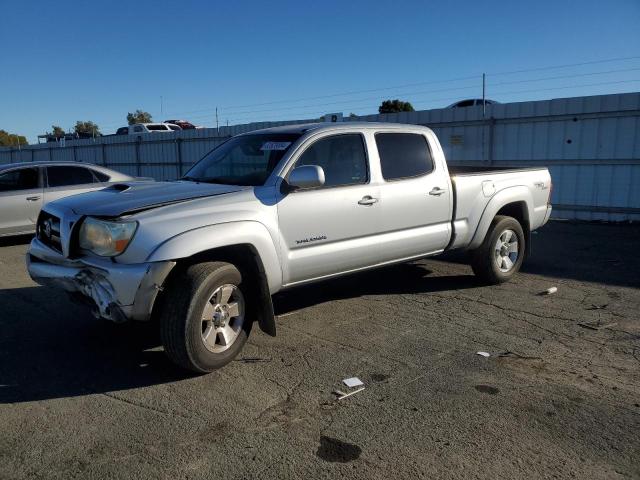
(48, 231)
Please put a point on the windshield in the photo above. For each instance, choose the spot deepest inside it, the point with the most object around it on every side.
(243, 160)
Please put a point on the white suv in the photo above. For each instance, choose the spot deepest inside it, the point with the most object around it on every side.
(152, 128)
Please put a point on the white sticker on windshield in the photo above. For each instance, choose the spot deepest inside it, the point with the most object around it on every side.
(275, 146)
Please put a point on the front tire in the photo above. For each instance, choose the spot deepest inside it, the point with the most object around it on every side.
(203, 319)
(501, 254)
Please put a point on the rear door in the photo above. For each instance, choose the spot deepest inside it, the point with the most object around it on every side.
(20, 200)
(415, 203)
(65, 180)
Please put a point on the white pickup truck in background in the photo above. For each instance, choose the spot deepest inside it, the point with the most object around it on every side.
(273, 209)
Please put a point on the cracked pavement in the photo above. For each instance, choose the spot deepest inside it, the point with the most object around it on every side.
(83, 398)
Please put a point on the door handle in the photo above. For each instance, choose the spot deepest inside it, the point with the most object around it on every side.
(437, 191)
(33, 199)
(367, 200)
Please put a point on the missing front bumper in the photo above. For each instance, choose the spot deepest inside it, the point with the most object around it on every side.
(119, 292)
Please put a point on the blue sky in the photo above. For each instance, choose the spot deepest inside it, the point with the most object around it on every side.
(268, 60)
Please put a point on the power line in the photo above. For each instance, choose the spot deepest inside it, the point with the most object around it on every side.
(238, 114)
(235, 114)
(609, 60)
(317, 112)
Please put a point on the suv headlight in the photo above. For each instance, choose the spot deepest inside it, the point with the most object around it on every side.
(105, 238)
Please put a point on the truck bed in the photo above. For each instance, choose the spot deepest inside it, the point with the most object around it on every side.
(474, 187)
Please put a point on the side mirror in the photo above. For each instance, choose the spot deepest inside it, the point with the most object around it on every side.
(307, 176)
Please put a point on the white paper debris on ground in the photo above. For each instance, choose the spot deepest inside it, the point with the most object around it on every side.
(483, 354)
(342, 395)
(549, 291)
(352, 382)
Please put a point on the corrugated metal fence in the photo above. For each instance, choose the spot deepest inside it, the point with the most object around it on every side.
(590, 144)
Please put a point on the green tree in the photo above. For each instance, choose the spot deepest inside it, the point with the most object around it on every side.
(139, 116)
(395, 106)
(58, 132)
(11, 139)
(87, 127)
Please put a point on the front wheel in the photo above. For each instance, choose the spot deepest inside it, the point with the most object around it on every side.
(501, 254)
(203, 321)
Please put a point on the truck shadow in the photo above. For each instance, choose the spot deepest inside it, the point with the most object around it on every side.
(404, 278)
(51, 348)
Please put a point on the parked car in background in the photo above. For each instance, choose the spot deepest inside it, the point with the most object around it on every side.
(147, 128)
(25, 187)
(183, 124)
(472, 102)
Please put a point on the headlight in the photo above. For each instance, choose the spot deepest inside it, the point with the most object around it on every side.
(104, 238)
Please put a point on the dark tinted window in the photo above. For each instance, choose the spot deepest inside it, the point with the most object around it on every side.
(122, 131)
(464, 103)
(158, 128)
(174, 127)
(342, 157)
(137, 128)
(22, 179)
(403, 155)
(62, 176)
(101, 177)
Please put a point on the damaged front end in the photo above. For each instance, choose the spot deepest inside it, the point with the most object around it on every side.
(117, 292)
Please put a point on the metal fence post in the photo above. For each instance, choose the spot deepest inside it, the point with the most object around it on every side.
(179, 156)
(138, 166)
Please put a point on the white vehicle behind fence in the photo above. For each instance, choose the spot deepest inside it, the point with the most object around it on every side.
(138, 128)
(273, 209)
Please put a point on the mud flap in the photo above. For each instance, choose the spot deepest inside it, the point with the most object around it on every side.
(266, 316)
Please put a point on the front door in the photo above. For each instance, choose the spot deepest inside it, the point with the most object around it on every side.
(330, 229)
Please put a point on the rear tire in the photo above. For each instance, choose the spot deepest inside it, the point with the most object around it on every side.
(203, 320)
(501, 254)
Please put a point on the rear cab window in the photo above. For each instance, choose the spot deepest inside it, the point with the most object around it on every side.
(342, 157)
(403, 155)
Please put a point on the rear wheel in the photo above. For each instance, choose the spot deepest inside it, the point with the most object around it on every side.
(501, 254)
(203, 321)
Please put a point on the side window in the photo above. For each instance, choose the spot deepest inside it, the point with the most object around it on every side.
(137, 128)
(342, 157)
(100, 177)
(22, 179)
(63, 176)
(403, 155)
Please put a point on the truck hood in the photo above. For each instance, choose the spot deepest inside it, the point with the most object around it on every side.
(131, 197)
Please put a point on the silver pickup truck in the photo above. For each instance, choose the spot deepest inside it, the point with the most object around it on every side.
(273, 209)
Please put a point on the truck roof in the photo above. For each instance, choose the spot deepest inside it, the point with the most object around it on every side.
(307, 127)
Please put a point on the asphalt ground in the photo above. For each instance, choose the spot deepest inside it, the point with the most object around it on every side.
(82, 398)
